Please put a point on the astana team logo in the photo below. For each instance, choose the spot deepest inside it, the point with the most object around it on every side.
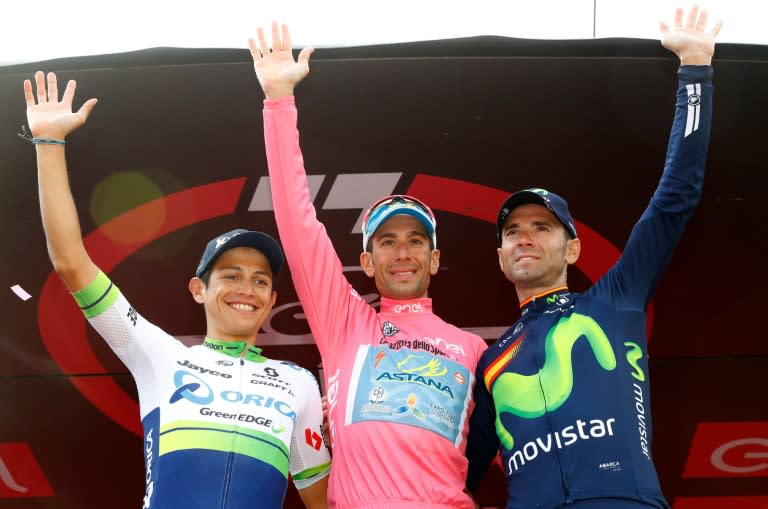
(523, 395)
(410, 407)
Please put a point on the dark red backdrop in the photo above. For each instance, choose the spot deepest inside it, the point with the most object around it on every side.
(176, 143)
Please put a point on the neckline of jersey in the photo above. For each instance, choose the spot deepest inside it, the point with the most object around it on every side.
(234, 349)
(406, 306)
(549, 293)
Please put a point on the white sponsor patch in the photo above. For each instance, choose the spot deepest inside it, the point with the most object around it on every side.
(20, 292)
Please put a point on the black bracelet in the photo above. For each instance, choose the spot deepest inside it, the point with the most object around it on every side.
(41, 141)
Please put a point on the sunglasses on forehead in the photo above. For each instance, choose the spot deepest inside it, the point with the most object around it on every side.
(395, 200)
(398, 204)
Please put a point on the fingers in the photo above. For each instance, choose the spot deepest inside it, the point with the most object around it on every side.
(716, 29)
(263, 46)
(287, 45)
(69, 92)
(28, 95)
(678, 21)
(701, 24)
(276, 44)
(690, 21)
(255, 52)
(53, 88)
(40, 83)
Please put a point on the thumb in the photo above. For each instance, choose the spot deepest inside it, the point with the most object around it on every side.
(304, 55)
(86, 109)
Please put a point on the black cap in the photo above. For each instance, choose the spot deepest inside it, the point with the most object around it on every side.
(242, 238)
(556, 204)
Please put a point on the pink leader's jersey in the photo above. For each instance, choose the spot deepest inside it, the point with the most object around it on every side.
(399, 382)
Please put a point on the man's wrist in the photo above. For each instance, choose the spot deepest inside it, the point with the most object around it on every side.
(273, 93)
(696, 58)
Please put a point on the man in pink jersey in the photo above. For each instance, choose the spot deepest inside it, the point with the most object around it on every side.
(399, 380)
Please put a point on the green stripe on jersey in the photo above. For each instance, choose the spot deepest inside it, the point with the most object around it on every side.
(97, 297)
(185, 435)
(311, 472)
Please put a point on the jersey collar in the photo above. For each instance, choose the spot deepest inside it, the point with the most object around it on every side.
(406, 307)
(542, 299)
(234, 349)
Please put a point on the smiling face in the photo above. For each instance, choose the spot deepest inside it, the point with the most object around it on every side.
(238, 297)
(401, 261)
(535, 250)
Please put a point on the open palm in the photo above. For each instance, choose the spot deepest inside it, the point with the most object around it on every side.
(277, 71)
(49, 117)
(689, 38)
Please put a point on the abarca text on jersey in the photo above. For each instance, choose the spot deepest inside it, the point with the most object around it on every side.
(564, 392)
(221, 429)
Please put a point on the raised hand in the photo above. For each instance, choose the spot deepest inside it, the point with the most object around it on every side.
(277, 71)
(690, 40)
(48, 117)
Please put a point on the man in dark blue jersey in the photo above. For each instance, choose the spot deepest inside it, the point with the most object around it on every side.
(564, 392)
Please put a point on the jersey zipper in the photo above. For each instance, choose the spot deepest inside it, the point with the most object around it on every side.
(563, 478)
(231, 454)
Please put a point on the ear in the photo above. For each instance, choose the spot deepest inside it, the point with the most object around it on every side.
(366, 262)
(434, 261)
(572, 250)
(197, 289)
(501, 259)
(273, 300)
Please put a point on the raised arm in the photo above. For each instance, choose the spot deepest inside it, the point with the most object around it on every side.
(633, 279)
(50, 121)
(317, 272)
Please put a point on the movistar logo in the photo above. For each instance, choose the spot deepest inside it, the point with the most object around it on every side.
(633, 355)
(523, 395)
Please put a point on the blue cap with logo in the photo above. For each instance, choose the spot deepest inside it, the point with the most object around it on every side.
(554, 203)
(259, 241)
(394, 205)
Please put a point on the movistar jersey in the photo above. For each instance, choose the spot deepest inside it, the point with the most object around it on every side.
(564, 392)
(222, 429)
(399, 381)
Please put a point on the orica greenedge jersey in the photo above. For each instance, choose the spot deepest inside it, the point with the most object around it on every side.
(564, 392)
(221, 430)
